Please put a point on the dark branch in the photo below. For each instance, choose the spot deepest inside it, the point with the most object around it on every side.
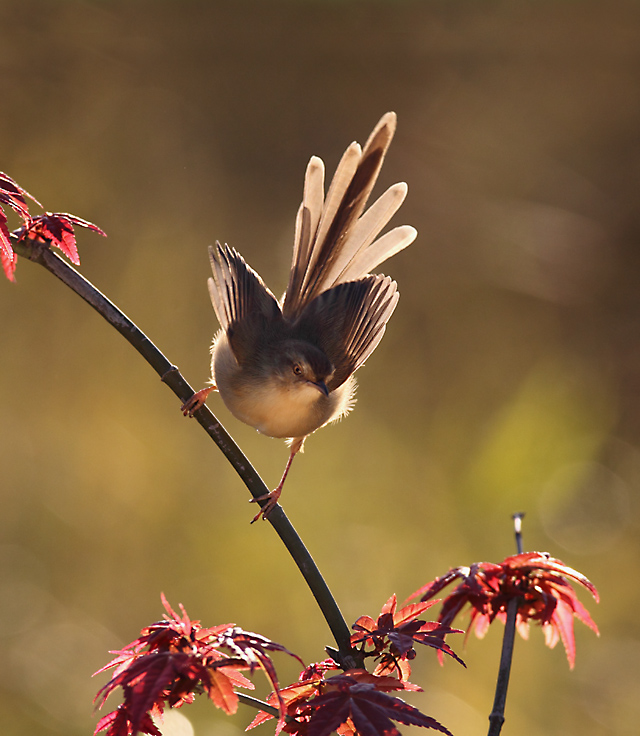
(496, 719)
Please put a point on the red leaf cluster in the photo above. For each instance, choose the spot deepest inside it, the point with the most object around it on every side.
(390, 639)
(355, 702)
(175, 659)
(539, 582)
(52, 228)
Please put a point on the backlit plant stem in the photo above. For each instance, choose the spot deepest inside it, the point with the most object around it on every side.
(258, 704)
(496, 718)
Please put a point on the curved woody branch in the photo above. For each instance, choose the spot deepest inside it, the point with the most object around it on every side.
(169, 374)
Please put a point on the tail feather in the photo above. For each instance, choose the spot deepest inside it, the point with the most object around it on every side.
(335, 241)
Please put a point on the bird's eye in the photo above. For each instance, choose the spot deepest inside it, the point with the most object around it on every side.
(297, 369)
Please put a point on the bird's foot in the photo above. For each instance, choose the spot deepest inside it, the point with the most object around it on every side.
(196, 401)
(272, 502)
(272, 498)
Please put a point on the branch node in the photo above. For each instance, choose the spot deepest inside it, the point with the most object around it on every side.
(174, 369)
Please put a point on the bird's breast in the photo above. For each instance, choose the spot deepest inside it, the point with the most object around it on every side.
(272, 406)
(280, 411)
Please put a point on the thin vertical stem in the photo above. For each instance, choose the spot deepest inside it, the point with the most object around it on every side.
(496, 718)
(517, 525)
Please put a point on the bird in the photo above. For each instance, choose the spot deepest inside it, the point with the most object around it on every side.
(286, 367)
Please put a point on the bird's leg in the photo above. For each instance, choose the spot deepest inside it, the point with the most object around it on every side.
(196, 401)
(274, 495)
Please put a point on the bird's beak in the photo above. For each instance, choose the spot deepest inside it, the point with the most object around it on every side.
(321, 386)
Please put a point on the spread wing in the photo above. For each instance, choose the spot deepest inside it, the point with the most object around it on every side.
(334, 241)
(243, 304)
(348, 321)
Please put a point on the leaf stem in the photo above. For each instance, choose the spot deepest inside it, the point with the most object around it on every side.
(258, 704)
(172, 377)
(496, 718)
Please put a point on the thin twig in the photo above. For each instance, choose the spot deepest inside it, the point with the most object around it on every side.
(170, 375)
(258, 704)
(496, 718)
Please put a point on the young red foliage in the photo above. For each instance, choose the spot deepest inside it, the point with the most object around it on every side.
(175, 659)
(56, 228)
(53, 228)
(13, 195)
(350, 703)
(536, 579)
(291, 697)
(392, 636)
(8, 259)
(118, 722)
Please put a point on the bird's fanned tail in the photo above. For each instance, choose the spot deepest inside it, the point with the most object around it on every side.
(334, 240)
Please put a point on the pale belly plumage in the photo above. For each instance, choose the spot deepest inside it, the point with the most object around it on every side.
(274, 408)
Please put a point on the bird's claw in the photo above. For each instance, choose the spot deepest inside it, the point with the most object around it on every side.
(272, 502)
(196, 402)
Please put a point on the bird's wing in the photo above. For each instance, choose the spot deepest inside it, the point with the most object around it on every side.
(348, 321)
(334, 241)
(243, 304)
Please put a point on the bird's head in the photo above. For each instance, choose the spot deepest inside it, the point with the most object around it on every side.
(300, 365)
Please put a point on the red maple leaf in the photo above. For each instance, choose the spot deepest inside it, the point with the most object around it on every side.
(291, 698)
(56, 228)
(118, 722)
(355, 702)
(14, 195)
(11, 193)
(393, 635)
(51, 228)
(8, 259)
(539, 582)
(175, 659)
(252, 649)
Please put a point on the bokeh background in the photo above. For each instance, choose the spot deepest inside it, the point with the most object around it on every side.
(509, 379)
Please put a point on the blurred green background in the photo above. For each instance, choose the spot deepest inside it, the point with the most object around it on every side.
(509, 379)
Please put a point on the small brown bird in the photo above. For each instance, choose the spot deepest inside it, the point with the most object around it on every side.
(286, 368)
